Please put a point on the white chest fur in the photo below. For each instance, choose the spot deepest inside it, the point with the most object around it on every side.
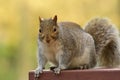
(51, 52)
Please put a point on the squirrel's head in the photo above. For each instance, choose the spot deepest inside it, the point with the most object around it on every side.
(48, 30)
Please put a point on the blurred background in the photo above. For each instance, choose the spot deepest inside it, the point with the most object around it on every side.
(19, 28)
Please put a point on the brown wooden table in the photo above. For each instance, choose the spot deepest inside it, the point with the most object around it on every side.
(91, 74)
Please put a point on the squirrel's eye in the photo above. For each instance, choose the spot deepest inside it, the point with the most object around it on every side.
(54, 29)
(40, 30)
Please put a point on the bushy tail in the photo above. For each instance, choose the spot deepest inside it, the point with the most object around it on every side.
(106, 38)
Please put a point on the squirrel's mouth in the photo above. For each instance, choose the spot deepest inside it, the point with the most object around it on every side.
(47, 41)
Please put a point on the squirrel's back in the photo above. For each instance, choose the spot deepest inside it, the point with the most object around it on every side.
(106, 38)
(70, 25)
(70, 29)
(72, 35)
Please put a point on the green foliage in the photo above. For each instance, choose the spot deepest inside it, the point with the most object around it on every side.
(8, 60)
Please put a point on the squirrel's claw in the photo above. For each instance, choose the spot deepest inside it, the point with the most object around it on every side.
(38, 71)
(84, 66)
(57, 70)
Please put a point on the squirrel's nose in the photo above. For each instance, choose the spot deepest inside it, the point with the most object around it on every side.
(47, 39)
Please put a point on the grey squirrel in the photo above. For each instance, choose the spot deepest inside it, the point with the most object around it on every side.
(68, 46)
(64, 44)
(106, 38)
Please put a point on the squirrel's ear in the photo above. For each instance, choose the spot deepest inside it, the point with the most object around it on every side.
(40, 19)
(55, 19)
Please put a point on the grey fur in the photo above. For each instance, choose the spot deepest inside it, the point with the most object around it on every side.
(106, 39)
(72, 48)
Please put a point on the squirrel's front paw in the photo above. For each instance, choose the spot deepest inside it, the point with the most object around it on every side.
(38, 71)
(57, 70)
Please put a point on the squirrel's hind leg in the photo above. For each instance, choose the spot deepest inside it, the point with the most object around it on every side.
(85, 66)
